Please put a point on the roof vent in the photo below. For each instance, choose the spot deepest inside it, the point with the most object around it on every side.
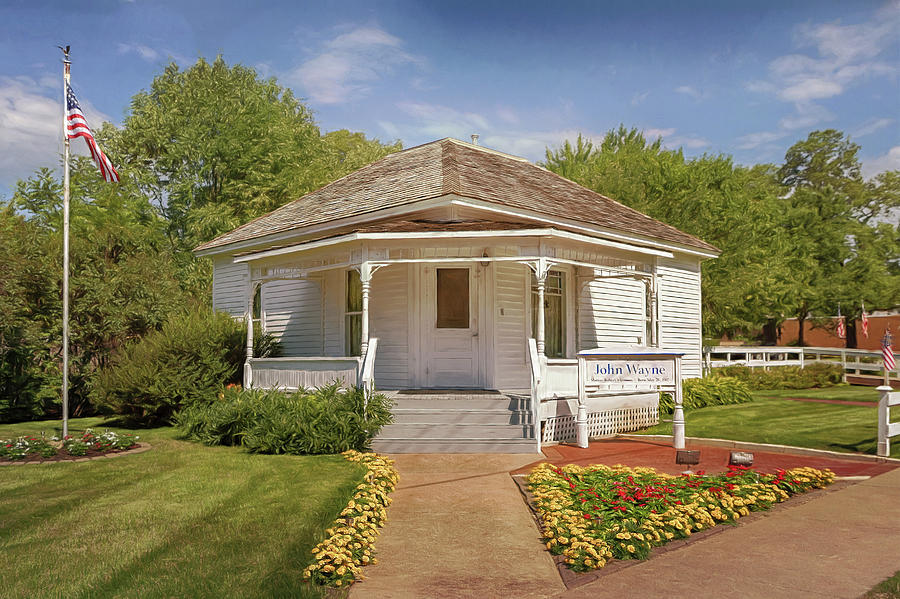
(474, 139)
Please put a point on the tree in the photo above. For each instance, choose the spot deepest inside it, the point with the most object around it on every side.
(833, 215)
(732, 207)
(214, 146)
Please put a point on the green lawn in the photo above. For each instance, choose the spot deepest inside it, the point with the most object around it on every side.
(803, 424)
(181, 520)
(843, 392)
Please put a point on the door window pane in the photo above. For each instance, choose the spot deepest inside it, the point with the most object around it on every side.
(453, 298)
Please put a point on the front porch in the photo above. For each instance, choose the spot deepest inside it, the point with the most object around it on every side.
(456, 310)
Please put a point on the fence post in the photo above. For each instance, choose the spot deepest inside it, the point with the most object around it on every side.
(884, 414)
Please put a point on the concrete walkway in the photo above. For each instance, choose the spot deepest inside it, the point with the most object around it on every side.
(460, 528)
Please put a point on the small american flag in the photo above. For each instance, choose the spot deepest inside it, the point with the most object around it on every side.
(887, 351)
(841, 331)
(865, 321)
(76, 126)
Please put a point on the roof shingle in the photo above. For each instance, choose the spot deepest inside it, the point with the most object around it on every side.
(448, 166)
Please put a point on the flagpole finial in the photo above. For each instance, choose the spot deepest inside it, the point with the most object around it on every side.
(65, 52)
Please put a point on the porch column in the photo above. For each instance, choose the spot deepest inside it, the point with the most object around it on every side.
(248, 371)
(365, 278)
(653, 309)
(539, 334)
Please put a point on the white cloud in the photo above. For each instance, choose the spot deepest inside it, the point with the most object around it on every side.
(349, 64)
(871, 126)
(145, 52)
(639, 98)
(686, 141)
(508, 115)
(31, 121)
(689, 91)
(754, 140)
(806, 114)
(889, 161)
(837, 58)
(436, 121)
(651, 134)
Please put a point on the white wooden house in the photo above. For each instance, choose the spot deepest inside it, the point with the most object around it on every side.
(433, 268)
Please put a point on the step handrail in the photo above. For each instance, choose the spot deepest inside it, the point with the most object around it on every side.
(537, 367)
(367, 371)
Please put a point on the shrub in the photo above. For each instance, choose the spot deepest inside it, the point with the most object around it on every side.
(709, 391)
(817, 374)
(188, 361)
(327, 420)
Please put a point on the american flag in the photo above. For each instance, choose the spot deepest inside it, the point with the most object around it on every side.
(887, 351)
(76, 126)
(865, 322)
(841, 331)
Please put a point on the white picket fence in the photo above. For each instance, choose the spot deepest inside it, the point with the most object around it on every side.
(853, 361)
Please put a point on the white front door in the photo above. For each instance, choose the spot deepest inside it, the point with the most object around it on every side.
(450, 343)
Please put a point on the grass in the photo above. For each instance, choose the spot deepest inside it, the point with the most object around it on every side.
(887, 589)
(805, 424)
(181, 520)
(842, 392)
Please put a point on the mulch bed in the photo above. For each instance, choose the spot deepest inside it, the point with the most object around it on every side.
(576, 579)
(92, 454)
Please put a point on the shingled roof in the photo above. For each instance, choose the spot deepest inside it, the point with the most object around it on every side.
(448, 166)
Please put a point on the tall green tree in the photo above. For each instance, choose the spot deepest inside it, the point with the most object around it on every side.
(833, 217)
(732, 207)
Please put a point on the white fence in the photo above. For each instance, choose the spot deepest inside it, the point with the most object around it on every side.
(886, 428)
(853, 361)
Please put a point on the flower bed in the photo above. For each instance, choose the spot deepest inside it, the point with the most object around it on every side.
(29, 448)
(596, 513)
(351, 541)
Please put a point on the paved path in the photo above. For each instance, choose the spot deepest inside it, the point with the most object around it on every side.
(459, 527)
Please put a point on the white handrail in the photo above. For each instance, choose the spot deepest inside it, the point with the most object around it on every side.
(886, 428)
(536, 378)
(367, 370)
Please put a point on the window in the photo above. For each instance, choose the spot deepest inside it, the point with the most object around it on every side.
(554, 313)
(452, 298)
(353, 315)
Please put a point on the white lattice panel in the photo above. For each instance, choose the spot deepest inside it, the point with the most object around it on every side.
(601, 424)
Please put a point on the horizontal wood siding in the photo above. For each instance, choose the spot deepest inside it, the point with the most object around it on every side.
(389, 308)
(611, 312)
(230, 284)
(679, 311)
(294, 316)
(511, 369)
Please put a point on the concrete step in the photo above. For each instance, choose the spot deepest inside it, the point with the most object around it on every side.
(455, 446)
(450, 431)
(486, 416)
(499, 402)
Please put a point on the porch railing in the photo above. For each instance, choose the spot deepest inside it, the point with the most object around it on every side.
(853, 361)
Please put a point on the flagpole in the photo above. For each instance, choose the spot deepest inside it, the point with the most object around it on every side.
(65, 280)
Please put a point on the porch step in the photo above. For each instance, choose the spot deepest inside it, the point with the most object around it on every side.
(421, 415)
(454, 446)
(444, 403)
(449, 430)
(458, 422)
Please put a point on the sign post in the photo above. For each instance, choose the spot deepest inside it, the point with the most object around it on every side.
(629, 369)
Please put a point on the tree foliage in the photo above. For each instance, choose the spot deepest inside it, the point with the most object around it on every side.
(202, 150)
(795, 238)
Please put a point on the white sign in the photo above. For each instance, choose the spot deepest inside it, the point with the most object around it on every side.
(599, 370)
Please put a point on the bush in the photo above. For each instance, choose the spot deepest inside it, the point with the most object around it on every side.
(709, 391)
(327, 420)
(817, 374)
(195, 354)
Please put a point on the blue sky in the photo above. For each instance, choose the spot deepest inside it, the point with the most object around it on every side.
(745, 79)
